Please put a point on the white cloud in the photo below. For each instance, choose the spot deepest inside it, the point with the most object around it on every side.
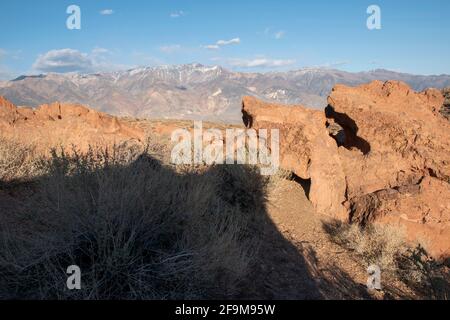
(335, 64)
(261, 63)
(100, 51)
(227, 42)
(106, 12)
(71, 60)
(274, 34)
(212, 47)
(170, 48)
(178, 14)
(280, 34)
(15, 54)
(64, 60)
(221, 43)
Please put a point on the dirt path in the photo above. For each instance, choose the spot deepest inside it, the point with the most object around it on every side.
(337, 274)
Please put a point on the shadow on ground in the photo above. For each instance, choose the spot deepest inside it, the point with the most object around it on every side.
(142, 230)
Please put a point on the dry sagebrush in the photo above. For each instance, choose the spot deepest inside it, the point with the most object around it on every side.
(386, 247)
(137, 230)
(17, 162)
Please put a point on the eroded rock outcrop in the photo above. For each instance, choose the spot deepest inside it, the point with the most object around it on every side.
(396, 158)
(56, 124)
(305, 149)
(389, 160)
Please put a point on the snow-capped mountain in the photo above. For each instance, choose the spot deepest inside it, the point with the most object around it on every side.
(193, 91)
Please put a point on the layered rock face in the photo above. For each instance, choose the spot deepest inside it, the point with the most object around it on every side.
(381, 153)
(59, 124)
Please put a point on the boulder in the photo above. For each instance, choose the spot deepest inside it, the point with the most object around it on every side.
(379, 154)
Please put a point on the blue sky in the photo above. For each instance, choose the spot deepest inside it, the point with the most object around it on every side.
(250, 35)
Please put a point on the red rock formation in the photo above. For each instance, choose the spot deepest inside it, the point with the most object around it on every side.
(305, 148)
(389, 163)
(397, 154)
(59, 124)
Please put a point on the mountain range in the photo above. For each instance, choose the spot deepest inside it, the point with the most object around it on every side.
(194, 91)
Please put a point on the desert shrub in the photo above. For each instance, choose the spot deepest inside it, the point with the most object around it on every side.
(158, 148)
(137, 229)
(424, 274)
(280, 175)
(385, 246)
(374, 244)
(17, 161)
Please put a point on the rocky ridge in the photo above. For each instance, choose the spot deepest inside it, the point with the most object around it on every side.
(59, 124)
